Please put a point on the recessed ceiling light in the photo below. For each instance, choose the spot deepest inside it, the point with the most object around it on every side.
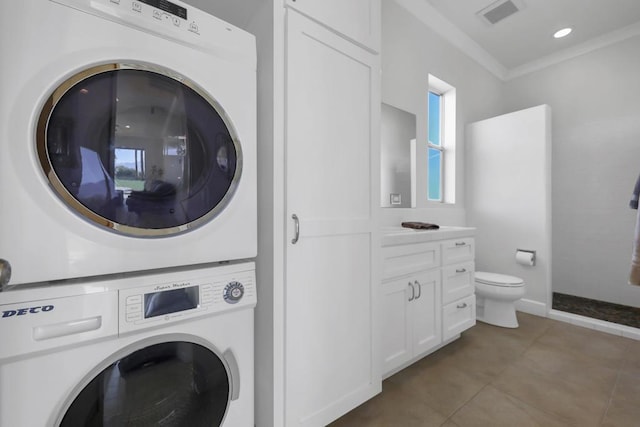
(562, 33)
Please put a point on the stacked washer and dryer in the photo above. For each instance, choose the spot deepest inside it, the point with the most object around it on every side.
(128, 215)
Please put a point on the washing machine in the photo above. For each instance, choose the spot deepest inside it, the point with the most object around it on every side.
(170, 349)
(127, 138)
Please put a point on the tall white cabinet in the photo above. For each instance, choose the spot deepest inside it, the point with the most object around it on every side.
(331, 125)
(318, 158)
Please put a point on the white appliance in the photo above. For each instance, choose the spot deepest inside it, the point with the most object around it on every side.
(127, 138)
(172, 350)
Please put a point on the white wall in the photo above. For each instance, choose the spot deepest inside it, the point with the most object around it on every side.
(595, 100)
(410, 52)
(509, 198)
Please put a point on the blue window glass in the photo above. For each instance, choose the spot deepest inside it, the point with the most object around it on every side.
(434, 162)
(434, 174)
(434, 118)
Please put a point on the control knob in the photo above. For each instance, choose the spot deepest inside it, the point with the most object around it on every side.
(233, 292)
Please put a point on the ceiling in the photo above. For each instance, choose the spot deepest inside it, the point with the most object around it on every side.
(520, 43)
(526, 38)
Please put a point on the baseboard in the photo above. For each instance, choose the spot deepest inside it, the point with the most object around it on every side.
(536, 308)
(598, 325)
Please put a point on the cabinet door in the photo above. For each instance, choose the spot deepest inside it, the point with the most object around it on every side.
(358, 20)
(332, 164)
(395, 315)
(427, 317)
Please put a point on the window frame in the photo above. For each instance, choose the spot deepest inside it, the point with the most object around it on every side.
(447, 147)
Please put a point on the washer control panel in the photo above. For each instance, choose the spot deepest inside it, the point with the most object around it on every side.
(233, 292)
(160, 303)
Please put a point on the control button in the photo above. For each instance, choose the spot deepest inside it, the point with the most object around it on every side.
(176, 21)
(157, 14)
(134, 299)
(136, 7)
(131, 317)
(134, 308)
(233, 292)
(193, 27)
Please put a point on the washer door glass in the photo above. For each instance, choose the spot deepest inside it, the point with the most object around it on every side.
(138, 149)
(169, 384)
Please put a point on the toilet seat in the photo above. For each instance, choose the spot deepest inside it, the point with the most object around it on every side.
(495, 279)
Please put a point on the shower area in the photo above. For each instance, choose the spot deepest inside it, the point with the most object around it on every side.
(594, 98)
(571, 205)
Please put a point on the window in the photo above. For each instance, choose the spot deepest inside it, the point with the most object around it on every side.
(129, 172)
(435, 148)
(441, 122)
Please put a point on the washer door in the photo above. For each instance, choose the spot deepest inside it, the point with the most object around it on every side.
(168, 384)
(138, 149)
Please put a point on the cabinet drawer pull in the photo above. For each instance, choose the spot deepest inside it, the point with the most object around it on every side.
(413, 292)
(462, 305)
(419, 289)
(296, 224)
(461, 243)
(461, 270)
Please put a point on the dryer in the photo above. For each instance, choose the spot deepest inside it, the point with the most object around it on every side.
(128, 138)
(173, 349)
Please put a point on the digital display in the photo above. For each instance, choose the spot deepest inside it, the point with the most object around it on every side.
(168, 7)
(173, 301)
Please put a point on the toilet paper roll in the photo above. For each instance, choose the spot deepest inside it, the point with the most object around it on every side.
(525, 258)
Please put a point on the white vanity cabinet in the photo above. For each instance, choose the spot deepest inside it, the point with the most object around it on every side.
(410, 316)
(427, 292)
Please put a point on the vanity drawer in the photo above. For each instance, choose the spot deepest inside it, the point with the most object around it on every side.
(458, 250)
(458, 316)
(406, 259)
(457, 281)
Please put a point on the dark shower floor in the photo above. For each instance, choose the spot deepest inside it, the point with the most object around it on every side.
(616, 313)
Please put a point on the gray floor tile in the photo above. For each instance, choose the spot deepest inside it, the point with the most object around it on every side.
(544, 373)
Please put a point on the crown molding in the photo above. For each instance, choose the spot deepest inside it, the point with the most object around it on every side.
(604, 40)
(428, 15)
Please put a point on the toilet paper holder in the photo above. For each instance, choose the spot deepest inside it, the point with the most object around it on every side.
(526, 257)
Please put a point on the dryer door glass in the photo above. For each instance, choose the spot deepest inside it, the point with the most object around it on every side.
(169, 384)
(139, 150)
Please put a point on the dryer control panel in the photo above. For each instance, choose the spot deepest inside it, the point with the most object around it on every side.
(157, 304)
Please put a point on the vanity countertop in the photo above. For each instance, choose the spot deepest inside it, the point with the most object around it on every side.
(392, 236)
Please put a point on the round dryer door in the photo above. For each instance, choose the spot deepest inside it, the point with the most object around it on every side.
(168, 384)
(138, 149)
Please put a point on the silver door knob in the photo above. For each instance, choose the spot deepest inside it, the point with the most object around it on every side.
(5, 273)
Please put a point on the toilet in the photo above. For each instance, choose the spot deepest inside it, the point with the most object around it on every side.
(496, 295)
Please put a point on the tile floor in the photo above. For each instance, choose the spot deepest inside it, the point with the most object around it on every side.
(545, 373)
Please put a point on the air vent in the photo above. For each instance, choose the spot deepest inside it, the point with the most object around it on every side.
(500, 10)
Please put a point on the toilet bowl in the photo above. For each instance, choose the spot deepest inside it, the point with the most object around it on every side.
(496, 295)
